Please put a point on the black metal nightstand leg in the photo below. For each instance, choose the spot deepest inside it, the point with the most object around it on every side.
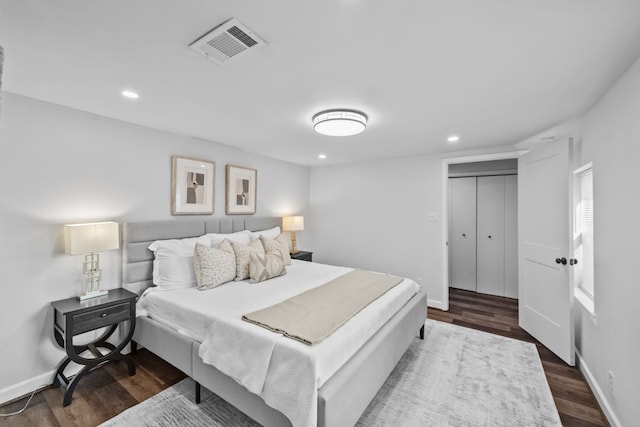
(126, 359)
(60, 373)
(422, 332)
(72, 385)
(197, 392)
(117, 356)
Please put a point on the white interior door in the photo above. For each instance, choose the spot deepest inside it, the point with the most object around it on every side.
(490, 246)
(544, 220)
(462, 241)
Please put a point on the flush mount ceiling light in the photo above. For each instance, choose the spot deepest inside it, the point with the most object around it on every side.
(339, 122)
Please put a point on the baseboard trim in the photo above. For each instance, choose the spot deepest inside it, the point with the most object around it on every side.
(435, 304)
(26, 387)
(598, 393)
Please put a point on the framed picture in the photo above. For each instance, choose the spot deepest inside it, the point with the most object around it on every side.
(242, 186)
(192, 186)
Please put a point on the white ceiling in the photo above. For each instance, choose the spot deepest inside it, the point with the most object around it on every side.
(492, 71)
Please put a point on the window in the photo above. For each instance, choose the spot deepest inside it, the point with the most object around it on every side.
(583, 236)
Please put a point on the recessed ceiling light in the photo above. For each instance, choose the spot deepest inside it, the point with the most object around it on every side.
(130, 94)
(453, 138)
(322, 156)
(339, 122)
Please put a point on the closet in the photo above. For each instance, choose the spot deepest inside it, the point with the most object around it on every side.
(483, 234)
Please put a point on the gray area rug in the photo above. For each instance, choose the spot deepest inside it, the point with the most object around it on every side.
(455, 377)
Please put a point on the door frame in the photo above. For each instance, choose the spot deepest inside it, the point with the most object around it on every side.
(444, 305)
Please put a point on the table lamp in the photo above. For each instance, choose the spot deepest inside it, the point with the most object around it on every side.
(293, 224)
(88, 239)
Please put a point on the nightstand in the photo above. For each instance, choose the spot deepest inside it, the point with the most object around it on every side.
(302, 256)
(72, 317)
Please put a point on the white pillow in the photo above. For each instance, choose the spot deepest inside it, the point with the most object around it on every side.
(243, 237)
(173, 262)
(271, 233)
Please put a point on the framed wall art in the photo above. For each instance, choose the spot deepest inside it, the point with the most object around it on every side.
(242, 188)
(192, 186)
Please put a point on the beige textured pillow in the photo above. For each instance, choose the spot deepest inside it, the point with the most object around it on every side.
(214, 266)
(243, 257)
(265, 267)
(280, 244)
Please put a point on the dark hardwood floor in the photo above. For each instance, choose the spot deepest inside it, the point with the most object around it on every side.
(575, 401)
(99, 396)
(108, 391)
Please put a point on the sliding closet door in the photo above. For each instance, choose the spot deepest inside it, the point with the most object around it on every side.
(462, 209)
(491, 227)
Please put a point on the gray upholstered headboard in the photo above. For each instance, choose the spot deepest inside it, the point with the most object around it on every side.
(137, 260)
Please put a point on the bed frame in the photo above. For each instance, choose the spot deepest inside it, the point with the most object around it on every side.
(341, 400)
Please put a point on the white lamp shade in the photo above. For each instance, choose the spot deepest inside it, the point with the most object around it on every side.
(293, 223)
(87, 238)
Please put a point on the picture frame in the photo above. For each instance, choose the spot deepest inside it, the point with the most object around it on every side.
(192, 186)
(242, 189)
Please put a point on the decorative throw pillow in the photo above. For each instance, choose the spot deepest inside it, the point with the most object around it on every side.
(281, 244)
(214, 266)
(243, 257)
(265, 267)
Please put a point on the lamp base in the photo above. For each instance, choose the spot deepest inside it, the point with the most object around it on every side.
(294, 247)
(93, 294)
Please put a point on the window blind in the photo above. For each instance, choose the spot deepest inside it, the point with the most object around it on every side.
(586, 201)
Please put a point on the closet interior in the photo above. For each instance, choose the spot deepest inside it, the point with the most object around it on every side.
(483, 231)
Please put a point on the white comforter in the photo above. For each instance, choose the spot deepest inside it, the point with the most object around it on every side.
(284, 372)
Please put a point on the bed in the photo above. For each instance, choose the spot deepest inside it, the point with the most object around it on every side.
(341, 398)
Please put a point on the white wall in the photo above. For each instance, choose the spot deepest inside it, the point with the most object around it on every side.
(59, 165)
(373, 216)
(611, 140)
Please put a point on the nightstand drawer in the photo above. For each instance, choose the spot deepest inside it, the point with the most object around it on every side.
(100, 317)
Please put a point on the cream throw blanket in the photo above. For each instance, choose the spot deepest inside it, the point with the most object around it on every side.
(315, 314)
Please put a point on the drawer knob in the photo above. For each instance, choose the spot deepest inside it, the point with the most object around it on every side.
(103, 315)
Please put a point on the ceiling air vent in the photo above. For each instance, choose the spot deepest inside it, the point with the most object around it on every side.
(228, 40)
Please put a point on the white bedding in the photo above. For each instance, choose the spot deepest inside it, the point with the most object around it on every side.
(284, 372)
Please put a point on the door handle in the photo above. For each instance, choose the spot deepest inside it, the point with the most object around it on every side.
(464, 235)
(562, 261)
(573, 261)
